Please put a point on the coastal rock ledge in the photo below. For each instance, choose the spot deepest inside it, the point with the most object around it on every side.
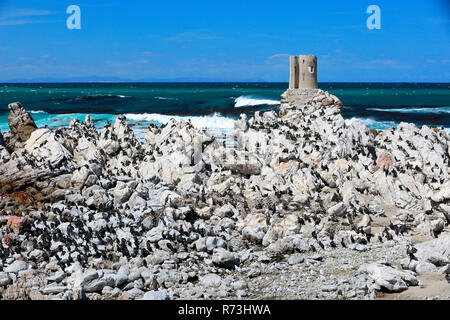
(304, 206)
(20, 122)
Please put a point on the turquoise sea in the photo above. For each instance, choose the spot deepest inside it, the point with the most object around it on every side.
(217, 105)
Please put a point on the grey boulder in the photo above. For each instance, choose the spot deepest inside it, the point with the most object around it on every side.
(389, 278)
(224, 258)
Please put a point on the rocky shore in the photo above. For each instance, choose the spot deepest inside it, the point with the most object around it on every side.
(304, 207)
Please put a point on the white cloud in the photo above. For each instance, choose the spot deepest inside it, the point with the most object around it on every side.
(14, 22)
(21, 16)
(279, 55)
(27, 13)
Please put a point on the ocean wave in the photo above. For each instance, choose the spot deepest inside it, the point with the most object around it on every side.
(372, 123)
(214, 121)
(165, 98)
(414, 110)
(37, 111)
(92, 97)
(245, 101)
(380, 125)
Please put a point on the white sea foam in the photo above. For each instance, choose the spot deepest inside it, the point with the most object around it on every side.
(37, 111)
(215, 121)
(379, 125)
(165, 98)
(414, 110)
(248, 101)
(372, 123)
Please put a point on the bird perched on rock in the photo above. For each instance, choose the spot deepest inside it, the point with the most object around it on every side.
(352, 239)
(380, 238)
(411, 250)
(321, 244)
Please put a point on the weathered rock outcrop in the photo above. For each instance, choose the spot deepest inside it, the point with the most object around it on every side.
(100, 214)
(20, 122)
(2, 140)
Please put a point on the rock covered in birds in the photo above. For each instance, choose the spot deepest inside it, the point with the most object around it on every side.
(103, 215)
(43, 145)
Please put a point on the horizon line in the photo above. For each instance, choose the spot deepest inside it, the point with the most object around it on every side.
(205, 82)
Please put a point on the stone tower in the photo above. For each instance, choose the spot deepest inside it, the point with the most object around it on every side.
(303, 72)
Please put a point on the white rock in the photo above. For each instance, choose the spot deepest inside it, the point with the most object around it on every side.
(224, 258)
(337, 210)
(122, 194)
(296, 258)
(53, 289)
(424, 267)
(328, 288)
(254, 227)
(156, 295)
(57, 277)
(388, 277)
(43, 145)
(16, 266)
(210, 280)
(214, 242)
(240, 285)
(135, 293)
(436, 251)
(4, 279)
(442, 195)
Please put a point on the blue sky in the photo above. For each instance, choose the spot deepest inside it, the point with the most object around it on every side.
(225, 40)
